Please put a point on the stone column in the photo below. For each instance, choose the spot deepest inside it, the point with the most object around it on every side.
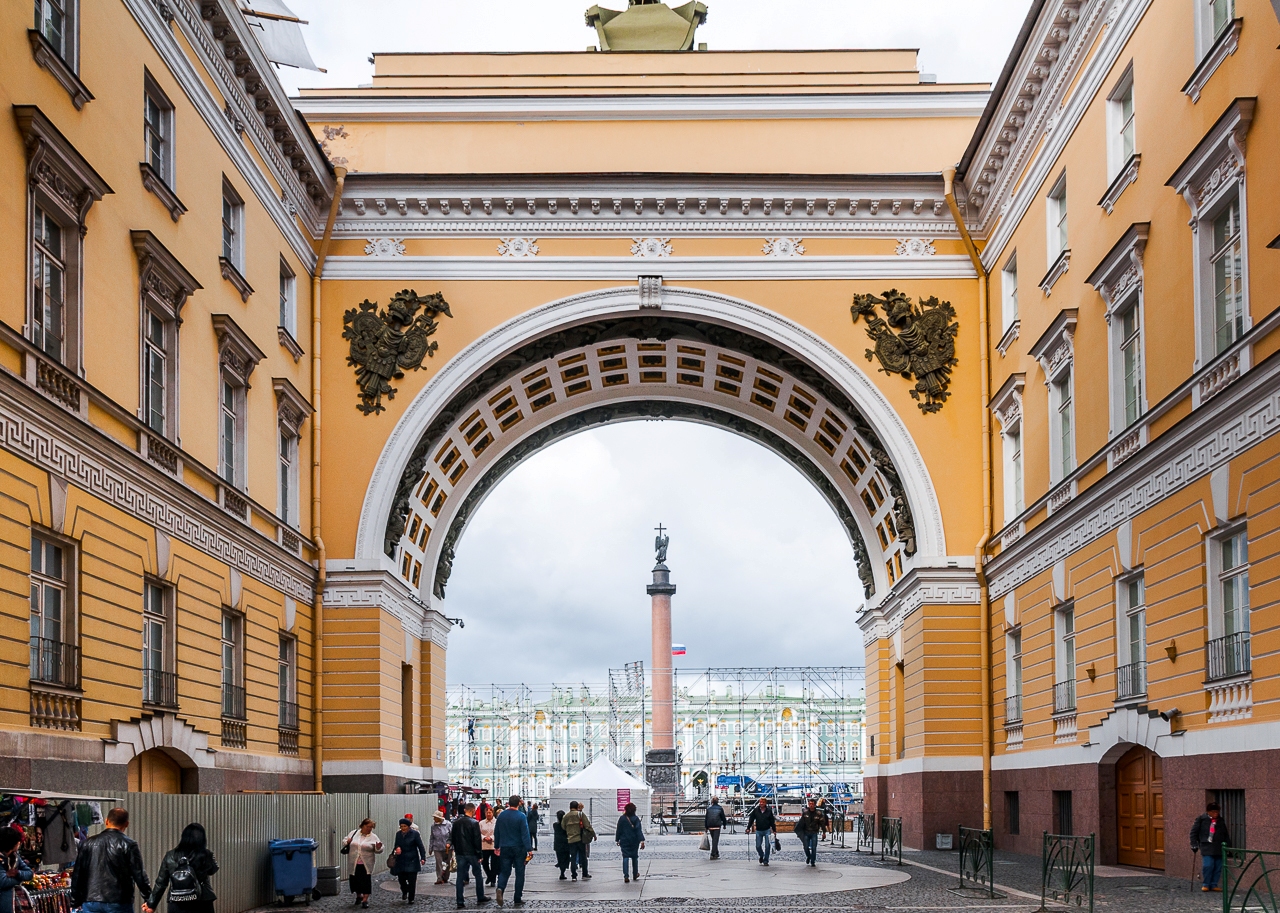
(662, 768)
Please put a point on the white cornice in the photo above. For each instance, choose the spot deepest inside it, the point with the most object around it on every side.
(382, 108)
(629, 269)
(349, 589)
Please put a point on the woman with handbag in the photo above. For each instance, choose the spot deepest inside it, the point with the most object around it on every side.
(362, 845)
(407, 859)
(185, 872)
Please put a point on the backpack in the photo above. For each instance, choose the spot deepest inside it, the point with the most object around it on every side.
(184, 886)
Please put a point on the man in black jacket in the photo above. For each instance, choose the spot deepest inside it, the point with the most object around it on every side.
(808, 828)
(762, 821)
(715, 820)
(1209, 835)
(107, 867)
(465, 840)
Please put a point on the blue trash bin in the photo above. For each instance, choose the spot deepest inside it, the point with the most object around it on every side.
(293, 867)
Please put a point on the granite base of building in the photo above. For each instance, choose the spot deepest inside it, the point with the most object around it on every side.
(929, 803)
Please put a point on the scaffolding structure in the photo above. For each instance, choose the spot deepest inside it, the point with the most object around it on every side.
(627, 718)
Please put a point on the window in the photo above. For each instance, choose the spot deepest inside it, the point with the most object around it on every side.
(540, 755)
(1012, 814)
(1229, 639)
(232, 665)
(229, 433)
(1061, 401)
(1130, 364)
(1064, 692)
(1062, 823)
(157, 131)
(288, 300)
(1226, 262)
(1056, 213)
(406, 712)
(573, 754)
(49, 271)
(1231, 807)
(159, 684)
(288, 494)
(288, 682)
(53, 22)
(1120, 127)
(232, 227)
(1221, 12)
(1013, 676)
(1009, 292)
(155, 373)
(53, 658)
(1131, 646)
(1013, 501)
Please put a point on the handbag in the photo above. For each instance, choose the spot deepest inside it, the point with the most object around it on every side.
(346, 844)
(706, 842)
(777, 844)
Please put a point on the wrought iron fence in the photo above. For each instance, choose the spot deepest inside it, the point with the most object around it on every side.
(233, 702)
(159, 688)
(55, 663)
(891, 839)
(977, 860)
(1250, 879)
(1131, 680)
(1064, 696)
(839, 824)
(1013, 708)
(1228, 656)
(864, 832)
(1066, 871)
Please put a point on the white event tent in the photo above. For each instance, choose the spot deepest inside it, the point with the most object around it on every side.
(603, 789)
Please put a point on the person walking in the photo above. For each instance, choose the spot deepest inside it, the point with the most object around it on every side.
(534, 817)
(487, 862)
(464, 837)
(185, 872)
(408, 858)
(363, 846)
(629, 836)
(512, 848)
(762, 821)
(1209, 835)
(559, 842)
(715, 820)
(807, 829)
(14, 870)
(579, 833)
(108, 867)
(439, 847)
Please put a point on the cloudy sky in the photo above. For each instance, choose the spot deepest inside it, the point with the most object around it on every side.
(550, 575)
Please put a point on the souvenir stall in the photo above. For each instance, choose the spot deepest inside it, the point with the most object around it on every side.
(53, 825)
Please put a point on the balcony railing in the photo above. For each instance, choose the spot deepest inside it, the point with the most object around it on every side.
(1229, 656)
(1013, 708)
(288, 715)
(159, 688)
(233, 702)
(1064, 696)
(55, 663)
(1131, 681)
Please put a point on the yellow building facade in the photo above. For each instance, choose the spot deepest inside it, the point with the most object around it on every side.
(976, 318)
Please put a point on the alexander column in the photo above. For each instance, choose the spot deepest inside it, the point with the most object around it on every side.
(661, 765)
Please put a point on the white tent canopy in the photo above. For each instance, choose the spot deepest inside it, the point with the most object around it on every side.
(603, 789)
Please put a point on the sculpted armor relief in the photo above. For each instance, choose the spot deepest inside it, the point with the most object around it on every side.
(384, 344)
(916, 341)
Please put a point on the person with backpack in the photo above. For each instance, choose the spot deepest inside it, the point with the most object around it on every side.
(407, 859)
(629, 836)
(579, 833)
(13, 868)
(108, 867)
(185, 871)
(715, 820)
(762, 821)
(1209, 835)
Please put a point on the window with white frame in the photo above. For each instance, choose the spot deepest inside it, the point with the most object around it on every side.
(1226, 261)
(1062, 425)
(1006, 407)
(159, 685)
(1213, 19)
(164, 286)
(1064, 691)
(157, 131)
(231, 431)
(288, 300)
(1120, 125)
(232, 227)
(155, 367)
(288, 480)
(232, 649)
(288, 681)
(1009, 292)
(1229, 623)
(1131, 636)
(1013, 675)
(1056, 215)
(56, 21)
(49, 281)
(53, 659)
(1131, 402)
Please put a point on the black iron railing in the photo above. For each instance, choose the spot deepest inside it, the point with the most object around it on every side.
(1013, 708)
(1064, 696)
(55, 663)
(891, 840)
(1228, 656)
(1250, 881)
(1131, 680)
(159, 688)
(977, 861)
(1066, 871)
(288, 715)
(233, 702)
(864, 832)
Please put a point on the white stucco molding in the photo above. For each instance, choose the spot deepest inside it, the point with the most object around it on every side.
(347, 588)
(182, 741)
(721, 309)
(954, 584)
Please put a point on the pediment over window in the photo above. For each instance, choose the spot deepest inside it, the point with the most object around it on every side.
(163, 280)
(1217, 162)
(1006, 405)
(54, 164)
(236, 351)
(292, 406)
(1055, 348)
(1120, 271)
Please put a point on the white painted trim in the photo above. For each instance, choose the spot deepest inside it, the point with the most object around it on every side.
(421, 108)
(383, 768)
(926, 764)
(629, 269)
(733, 312)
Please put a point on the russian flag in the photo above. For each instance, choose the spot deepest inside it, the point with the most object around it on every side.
(677, 649)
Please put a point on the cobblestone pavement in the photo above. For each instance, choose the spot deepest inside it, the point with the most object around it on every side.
(929, 887)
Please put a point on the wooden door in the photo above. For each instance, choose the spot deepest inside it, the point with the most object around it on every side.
(1140, 809)
(153, 771)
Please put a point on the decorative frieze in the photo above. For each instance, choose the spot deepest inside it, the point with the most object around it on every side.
(349, 589)
(165, 282)
(384, 247)
(1055, 349)
(518, 247)
(1006, 405)
(915, 247)
(292, 407)
(783, 247)
(651, 247)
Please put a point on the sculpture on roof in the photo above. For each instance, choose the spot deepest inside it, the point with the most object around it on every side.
(647, 25)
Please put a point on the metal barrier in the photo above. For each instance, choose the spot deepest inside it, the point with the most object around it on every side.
(1250, 879)
(1066, 871)
(839, 825)
(977, 860)
(864, 833)
(891, 839)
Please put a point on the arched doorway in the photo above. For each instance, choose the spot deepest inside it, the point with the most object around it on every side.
(153, 771)
(1140, 808)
